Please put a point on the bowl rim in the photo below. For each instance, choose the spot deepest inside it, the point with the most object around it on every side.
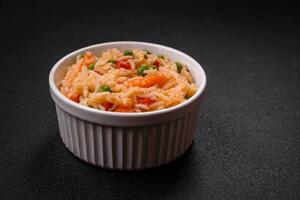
(57, 93)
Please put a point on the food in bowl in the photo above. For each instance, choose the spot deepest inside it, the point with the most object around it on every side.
(130, 140)
(133, 80)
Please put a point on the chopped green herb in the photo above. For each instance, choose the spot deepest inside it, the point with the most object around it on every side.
(142, 68)
(104, 88)
(128, 53)
(145, 56)
(179, 66)
(91, 66)
(148, 52)
(161, 56)
(112, 61)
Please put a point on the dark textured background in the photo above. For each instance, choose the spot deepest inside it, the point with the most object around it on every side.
(247, 145)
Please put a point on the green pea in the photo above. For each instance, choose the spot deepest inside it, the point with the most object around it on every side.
(142, 68)
(128, 53)
(104, 88)
(179, 66)
(91, 66)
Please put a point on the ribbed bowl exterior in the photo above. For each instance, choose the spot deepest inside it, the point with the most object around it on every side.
(127, 148)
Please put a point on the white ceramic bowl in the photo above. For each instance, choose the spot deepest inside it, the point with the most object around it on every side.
(127, 140)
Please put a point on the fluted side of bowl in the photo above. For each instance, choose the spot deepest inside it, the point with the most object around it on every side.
(126, 147)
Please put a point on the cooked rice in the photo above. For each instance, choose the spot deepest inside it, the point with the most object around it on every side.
(114, 81)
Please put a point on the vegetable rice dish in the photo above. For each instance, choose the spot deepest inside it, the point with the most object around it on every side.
(133, 80)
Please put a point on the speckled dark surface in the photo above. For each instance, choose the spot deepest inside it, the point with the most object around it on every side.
(247, 145)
